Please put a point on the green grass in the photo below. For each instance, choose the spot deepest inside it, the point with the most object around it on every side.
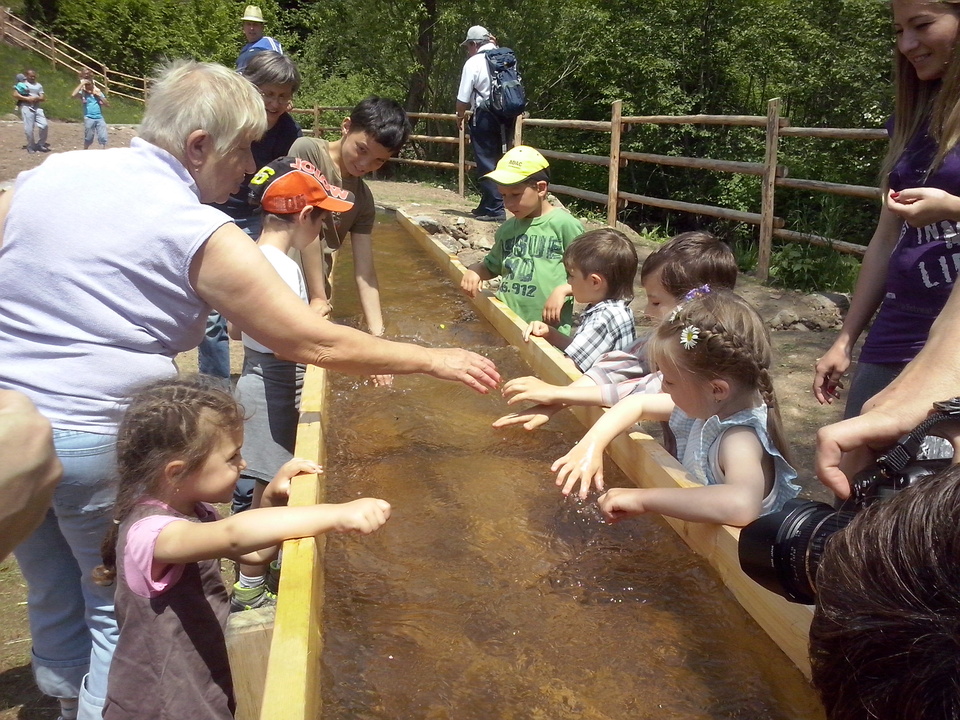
(57, 86)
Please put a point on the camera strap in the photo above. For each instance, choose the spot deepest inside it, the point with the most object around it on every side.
(896, 459)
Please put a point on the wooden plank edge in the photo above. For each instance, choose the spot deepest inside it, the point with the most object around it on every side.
(292, 682)
(647, 464)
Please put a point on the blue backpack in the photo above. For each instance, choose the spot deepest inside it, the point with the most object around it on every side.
(507, 97)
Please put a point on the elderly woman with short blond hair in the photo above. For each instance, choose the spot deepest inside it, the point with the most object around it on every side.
(109, 265)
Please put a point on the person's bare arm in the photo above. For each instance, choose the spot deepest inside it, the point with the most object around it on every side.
(933, 375)
(30, 469)
(462, 108)
(473, 277)
(866, 299)
(6, 197)
(232, 275)
(314, 275)
(244, 535)
(535, 390)
(368, 287)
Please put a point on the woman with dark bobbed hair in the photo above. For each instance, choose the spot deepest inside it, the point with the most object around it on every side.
(277, 79)
(109, 265)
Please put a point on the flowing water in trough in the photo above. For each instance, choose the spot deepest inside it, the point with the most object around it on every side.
(487, 594)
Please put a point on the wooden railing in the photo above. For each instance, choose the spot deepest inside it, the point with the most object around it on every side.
(18, 32)
(772, 174)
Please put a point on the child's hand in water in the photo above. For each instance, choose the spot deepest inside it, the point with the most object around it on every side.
(531, 418)
(364, 515)
(470, 282)
(529, 389)
(584, 463)
(536, 329)
(277, 493)
(619, 503)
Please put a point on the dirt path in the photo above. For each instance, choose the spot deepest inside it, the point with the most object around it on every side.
(803, 327)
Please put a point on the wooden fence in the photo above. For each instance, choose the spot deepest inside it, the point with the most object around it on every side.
(772, 174)
(18, 32)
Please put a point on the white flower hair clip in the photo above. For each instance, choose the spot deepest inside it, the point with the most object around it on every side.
(689, 337)
(674, 314)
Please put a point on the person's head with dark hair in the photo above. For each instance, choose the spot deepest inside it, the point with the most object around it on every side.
(606, 257)
(169, 430)
(885, 638)
(686, 261)
(383, 119)
(277, 79)
(375, 132)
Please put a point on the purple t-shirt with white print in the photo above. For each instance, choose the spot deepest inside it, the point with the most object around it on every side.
(923, 265)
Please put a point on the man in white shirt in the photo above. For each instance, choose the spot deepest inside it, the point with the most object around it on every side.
(489, 137)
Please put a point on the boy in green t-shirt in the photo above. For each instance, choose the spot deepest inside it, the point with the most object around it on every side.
(528, 248)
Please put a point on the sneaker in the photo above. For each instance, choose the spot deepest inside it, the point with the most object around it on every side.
(490, 218)
(250, 598)
(44, 148)
(273, 578)
(31, 150)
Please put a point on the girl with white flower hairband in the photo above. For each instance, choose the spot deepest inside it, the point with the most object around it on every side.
(714, 353)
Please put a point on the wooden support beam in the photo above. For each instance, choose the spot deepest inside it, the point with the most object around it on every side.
(292, 685)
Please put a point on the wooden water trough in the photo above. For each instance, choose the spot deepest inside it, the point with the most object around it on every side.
(276, 662)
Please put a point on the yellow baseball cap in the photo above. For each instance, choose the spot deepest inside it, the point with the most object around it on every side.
(517, 165)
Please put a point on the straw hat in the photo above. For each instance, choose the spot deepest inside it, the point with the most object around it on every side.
(252, 14)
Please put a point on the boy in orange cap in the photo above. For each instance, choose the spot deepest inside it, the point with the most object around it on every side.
(296, 199)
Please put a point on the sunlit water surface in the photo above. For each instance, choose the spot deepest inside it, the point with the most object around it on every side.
(489, 595)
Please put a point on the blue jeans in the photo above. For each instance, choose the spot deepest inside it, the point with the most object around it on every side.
(34, 117)
(213, 355)
(72, 623)
(93, 126)
(488, 136)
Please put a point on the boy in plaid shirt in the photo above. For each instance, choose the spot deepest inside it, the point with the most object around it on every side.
(601, 265)
(682, 264)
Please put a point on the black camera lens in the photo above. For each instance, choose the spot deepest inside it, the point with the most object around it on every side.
(781, 551)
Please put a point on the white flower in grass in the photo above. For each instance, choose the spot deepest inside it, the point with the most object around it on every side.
(689, 336)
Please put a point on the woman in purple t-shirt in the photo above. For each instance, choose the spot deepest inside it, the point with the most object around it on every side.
(914, 255)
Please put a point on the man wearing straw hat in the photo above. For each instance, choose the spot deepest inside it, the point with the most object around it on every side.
(256, 40)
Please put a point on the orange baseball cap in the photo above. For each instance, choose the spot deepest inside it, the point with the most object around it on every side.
(290, 184)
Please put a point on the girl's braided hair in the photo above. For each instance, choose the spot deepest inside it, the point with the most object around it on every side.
(168, 420)
(719, 335)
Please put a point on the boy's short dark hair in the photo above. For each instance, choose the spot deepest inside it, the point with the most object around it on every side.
(608, 253)
(692, 259)
(540, 175)
(383, 119)
(885, 637)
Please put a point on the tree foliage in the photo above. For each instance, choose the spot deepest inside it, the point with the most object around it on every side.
(828, 60)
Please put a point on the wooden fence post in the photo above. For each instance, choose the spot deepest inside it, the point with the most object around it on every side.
(518, 130)
(462, 160)
(3, 24)
(768, 188)
(316, 120)
(613, 185)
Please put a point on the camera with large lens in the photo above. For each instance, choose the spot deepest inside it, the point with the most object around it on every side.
(781, 551)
